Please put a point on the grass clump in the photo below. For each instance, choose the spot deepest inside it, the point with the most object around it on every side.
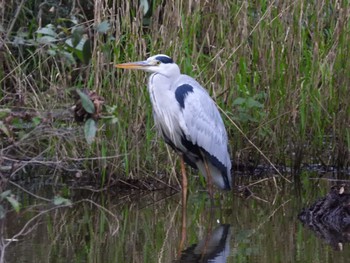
(278, 69)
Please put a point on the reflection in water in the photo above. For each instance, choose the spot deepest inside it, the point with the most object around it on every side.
(147, 228)
(214, 247)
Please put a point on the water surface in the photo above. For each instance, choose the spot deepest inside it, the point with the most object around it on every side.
(148, 227)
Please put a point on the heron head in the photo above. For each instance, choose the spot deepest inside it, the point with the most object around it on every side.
(160, 63)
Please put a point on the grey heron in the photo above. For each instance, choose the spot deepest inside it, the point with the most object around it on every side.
(188, 119)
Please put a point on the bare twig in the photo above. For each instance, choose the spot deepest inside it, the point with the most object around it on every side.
(30, 193)
(269, 217)
(256, 147)
(24, 228)
(330, 180)
(105, 210)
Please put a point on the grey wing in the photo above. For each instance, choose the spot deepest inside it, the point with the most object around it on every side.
(202, 123)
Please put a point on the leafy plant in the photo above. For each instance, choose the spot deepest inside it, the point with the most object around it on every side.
(59, 200)
(85, 109)
(11, 199)
(70, 43)
(249, 109)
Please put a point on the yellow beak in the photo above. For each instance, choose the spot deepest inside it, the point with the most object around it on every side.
(134, 65)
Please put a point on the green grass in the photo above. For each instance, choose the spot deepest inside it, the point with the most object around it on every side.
(290, 57)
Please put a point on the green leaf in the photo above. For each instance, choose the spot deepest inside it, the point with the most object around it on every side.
(13, 201)
(111, 109)
(4, 129)
(103, 27)
(243, 117)
(51, 52)
(4, 113)
(47, 31)
(69, 42)
(77, 35)
(59, 200)
(86, 51)
(251, 103)
(114, 120)
(80, 46)
(2, 212)
(46, 40)
(90, 129)
(18, 123)
(18, 40)
(239, 101)
(4, 194)
(70, 58)
(82, 49)
(36, 120)
(86, 102)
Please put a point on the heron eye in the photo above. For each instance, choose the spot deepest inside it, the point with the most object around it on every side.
(158, 62)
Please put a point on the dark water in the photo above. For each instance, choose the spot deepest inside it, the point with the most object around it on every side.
(148, 228)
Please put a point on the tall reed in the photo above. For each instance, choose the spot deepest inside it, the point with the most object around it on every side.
(279, 69)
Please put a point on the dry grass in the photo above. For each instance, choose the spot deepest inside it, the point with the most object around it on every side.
(287, 61)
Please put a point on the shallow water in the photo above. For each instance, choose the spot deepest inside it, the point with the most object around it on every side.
(148, 228)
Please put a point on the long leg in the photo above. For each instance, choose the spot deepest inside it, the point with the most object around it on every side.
(209, 179)
(184, 206)
(184, 182)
